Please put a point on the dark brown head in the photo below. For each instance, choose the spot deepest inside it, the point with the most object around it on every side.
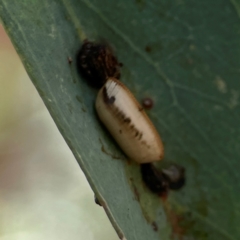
(96, 63)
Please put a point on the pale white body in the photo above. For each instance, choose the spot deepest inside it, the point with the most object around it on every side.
(127, 122)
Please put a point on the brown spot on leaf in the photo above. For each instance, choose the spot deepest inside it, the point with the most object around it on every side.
(136, 193)
(108, 153)
(96, 63)
(154, 226)
(175, 221)
(127, 120)
(70, 60)
(106, 98)
(147, 103)
(148, 49)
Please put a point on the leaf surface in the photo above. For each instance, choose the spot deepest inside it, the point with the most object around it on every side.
(185, 55)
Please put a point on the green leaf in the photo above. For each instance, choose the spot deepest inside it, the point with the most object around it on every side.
(185, 55)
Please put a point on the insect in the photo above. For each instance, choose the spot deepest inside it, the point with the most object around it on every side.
(128, 123)
(121, 113)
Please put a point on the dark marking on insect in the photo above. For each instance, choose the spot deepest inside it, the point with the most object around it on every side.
(135, 190)
(118, 113)
(140, 136)
(96, 63)
(154, 226)
(127, 120)
(106, 98)
(140, 109)
(111, 100)
(121, 116)
(154, 179)
(147, 103)
(120, 131)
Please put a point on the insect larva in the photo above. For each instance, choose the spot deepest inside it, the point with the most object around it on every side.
(127, 122)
